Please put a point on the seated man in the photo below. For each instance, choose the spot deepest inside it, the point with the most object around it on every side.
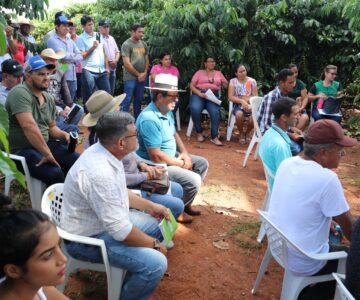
(306, 196)
(159, 141)
(12, 74)
(32, 129)
(58, 88)
(275, 144)
(97, 204)
(286, 82)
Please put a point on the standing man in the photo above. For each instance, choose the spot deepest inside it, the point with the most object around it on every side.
(307, 195)
(112, 52)
(78, 66)
(61, 41)
(98, 204)
(12, 76)
(25, 30)
(275, 144)
(95, 65)
(136, 63)
(159, 141)
(32, 129)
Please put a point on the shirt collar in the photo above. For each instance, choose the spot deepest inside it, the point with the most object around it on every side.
(109, 156)
(282, 132)
(157, 112)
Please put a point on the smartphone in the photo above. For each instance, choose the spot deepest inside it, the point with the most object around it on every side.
(98, 36)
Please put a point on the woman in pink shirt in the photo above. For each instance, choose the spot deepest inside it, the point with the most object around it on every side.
(203, 80)
(164, 67)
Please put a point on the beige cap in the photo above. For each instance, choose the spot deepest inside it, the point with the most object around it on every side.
(50, 53)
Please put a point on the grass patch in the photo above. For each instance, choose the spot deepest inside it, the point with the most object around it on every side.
(251, 229)
(357, 181)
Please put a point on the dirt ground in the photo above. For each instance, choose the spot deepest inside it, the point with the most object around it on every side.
(228, 202)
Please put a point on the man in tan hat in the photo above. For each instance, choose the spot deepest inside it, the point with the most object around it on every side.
(159, 141)
(307, 195)
(68, 114)
(26, 27)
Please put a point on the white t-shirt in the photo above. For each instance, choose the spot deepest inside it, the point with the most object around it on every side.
(304, 198)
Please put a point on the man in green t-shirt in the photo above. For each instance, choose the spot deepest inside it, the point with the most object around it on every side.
(32, 128)
(136, 63)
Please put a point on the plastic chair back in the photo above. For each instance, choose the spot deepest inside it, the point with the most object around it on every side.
(342, 293)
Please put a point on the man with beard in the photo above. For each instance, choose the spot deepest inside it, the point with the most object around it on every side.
(32, 128)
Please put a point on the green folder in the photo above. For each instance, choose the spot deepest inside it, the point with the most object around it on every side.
(168, 227)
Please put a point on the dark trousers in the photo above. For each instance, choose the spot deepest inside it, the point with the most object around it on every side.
(323, 290)
(50, 173)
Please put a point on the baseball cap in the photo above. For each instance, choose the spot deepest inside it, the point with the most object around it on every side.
(12, 67)
(63, 20)
(104, 23)
(327, 131)
(36, 63)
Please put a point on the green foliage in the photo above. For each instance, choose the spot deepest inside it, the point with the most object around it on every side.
(31, 9)
(353, 88)
(353, 125)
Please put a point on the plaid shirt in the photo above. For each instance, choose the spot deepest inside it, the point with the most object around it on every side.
(264, 114)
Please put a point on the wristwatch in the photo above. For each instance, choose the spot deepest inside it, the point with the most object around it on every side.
(156, 245)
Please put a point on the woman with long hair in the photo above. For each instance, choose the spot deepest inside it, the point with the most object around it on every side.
(324, 88)
(241, 89)
(31, 261)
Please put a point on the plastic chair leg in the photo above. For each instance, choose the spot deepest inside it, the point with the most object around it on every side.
(265, 262)
(190, 127)
(230, 129)
(8, 180)
(178, 119)
(248, 151)
(256, 151)
(114, 289)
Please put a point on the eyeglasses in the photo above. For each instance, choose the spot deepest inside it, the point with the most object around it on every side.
(173, 97)
(333, 74)
(132, 135)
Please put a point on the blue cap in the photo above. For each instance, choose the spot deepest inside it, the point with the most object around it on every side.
(36, 63)
(63, 20)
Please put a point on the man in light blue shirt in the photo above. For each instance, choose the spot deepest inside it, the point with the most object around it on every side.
(61, 41)
(275, 144)
(95, 65)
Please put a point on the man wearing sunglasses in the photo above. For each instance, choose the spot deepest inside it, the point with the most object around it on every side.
(112, 52)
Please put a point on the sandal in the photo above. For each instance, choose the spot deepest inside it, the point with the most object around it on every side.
(217, 142)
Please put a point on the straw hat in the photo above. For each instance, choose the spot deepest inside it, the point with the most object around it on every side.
(50, 53)
(98, 104)
(165, 82)
(23, 21)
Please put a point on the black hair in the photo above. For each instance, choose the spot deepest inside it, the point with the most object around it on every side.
(209, 56)
(158, 92)
(284, 74)
(237, 66)
(136, 27)
(86, 19)
(20, 232)
(163, 54)
(282, 106)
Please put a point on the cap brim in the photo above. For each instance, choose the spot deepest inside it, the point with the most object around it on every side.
(347, 142)
(164, 89)
(90, 121)
(49, 66)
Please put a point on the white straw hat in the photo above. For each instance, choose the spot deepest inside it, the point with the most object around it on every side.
(165, 82)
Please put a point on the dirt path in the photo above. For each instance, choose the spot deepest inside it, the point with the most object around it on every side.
(228, 202)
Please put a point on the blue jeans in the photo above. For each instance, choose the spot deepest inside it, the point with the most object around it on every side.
(173, 201)
(316, 116)
(197, 104)
(50, 173)
(112, 81)
(79, 84)
(145, 266)
(72, 85)
(90, 80)
(133, 88)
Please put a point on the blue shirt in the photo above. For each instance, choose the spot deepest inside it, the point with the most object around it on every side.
(4, 92)
(95, 62)
(274, 148)
(156, 131)
(72, 57)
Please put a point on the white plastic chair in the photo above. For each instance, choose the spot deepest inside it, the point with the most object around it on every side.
(231, 121)
(266, 203)
(34, 186)
(257, 136)
(177, 117)
(191, 123)
(51, 204)
(278, 246)
(342, 293)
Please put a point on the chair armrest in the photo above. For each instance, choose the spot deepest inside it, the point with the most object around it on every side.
(328, 256)
(80, 239)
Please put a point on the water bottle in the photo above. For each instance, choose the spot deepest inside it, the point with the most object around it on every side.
(73, 141)
(336, 239)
